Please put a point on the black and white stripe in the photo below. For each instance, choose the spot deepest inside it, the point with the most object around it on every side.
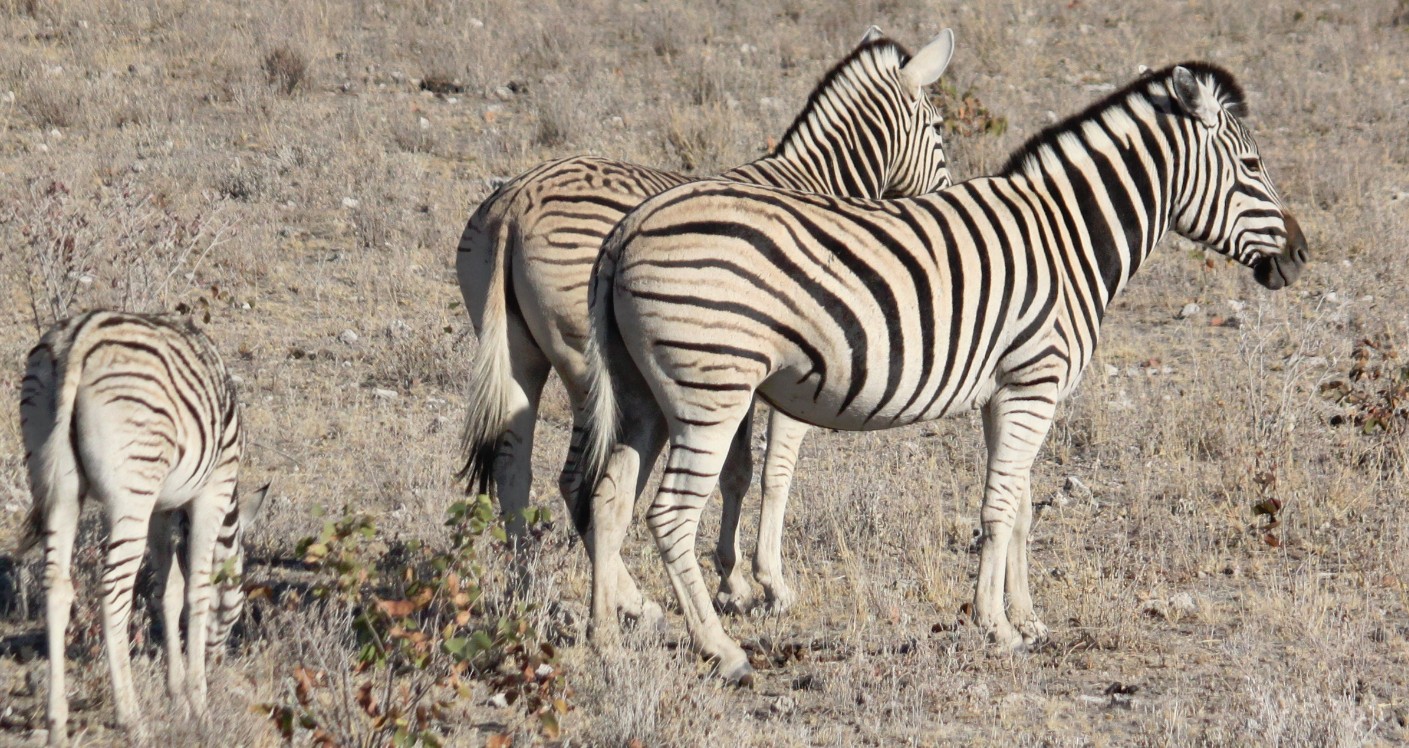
(525, 260)
(861, 314)
(137, 414)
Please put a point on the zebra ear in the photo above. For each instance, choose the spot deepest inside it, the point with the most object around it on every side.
(251, 503)
(929, 63)
(871, 35)
(1196, 100)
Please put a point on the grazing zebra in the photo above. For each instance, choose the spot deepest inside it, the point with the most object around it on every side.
(859, 314)
(139, 415)
(525, 259)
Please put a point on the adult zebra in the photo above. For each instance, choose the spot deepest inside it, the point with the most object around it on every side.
(138, 414)
(859, 314)
(525, 259)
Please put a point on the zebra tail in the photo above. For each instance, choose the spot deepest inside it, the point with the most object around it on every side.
(491, 375)
(55, 459)
(600, 434)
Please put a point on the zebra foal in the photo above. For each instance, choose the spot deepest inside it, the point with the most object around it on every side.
(860, 315)
(136, 413)
(525, 260)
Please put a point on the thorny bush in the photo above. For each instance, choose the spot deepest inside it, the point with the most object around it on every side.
(424, 637)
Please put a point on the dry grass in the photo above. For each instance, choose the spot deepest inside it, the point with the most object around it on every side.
(301, 170)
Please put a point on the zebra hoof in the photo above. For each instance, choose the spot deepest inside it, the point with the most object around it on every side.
(1034, 633)
(735, 603)
(738, 674)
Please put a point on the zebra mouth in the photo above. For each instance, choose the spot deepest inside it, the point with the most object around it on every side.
(1278, 271)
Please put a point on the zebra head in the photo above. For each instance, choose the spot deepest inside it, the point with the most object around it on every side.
(228, 601)
(1230, 203)
(920, 166)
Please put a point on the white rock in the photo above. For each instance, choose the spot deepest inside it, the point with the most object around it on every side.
(382, 394)
(475, 23)
(1075, 488)
(1190, 309)
(348, 336)
(237, 379)
(1236, 305)
(498, 700)
(544, 670)
(1184, 604)
(8, 97)
(424, 123)
(350, 202)
(1111, 370)
(398, 329)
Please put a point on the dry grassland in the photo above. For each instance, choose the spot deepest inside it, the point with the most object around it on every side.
(282, 169)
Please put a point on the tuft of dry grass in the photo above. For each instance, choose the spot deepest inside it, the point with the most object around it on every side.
(285, 68)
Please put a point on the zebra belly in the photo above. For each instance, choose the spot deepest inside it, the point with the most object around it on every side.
(828, 407)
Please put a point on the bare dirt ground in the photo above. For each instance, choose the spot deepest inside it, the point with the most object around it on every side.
(299, 174)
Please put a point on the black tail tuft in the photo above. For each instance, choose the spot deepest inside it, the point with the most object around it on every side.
(479, 468)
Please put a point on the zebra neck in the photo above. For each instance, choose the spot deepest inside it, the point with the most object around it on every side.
(820, 173)
(1117, 196)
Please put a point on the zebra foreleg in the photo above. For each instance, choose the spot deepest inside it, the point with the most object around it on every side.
(785, 435)
(170, 575)
(1015, 424)
(1020, 609)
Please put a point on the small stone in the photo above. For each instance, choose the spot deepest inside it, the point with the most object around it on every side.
(782, 705)
(475, 23)
(350, 202)
(1183, 603)
(503, 93)
(498, 701)
(1111, 371)
(424, 123)
(382, 394)
(237, 379)
(1189, 310)
(1075, 488)
(544, 670)
(348, 336)
(1236, 305)
(398, 329)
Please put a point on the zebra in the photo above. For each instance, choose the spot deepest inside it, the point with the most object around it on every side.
(137, 413)
(859, 315)
(525, 258)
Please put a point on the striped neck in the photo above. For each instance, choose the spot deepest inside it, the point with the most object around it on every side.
(1118, 175)
(842, 143)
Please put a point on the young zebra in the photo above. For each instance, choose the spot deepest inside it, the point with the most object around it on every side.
(138, 414)
(859, 314)
(525, 260)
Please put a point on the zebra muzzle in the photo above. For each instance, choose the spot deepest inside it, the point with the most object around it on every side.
(1279, 271)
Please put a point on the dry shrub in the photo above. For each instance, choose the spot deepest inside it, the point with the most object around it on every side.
(285, 68)
(54, 102)
(118, 246)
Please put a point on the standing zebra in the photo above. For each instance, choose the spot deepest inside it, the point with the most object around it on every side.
(525, 259)
(859, 315)
(138, 414)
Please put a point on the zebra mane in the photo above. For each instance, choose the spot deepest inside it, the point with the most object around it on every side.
(874, 48)
(1225, 87)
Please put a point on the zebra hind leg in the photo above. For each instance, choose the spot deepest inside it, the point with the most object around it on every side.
(696, 457)
(60, 529)
(206, 514)
(785, 435)
(127, 514)
(613, 501)
(735, 593)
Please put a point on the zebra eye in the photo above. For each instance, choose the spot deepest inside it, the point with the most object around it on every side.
(1253, 164)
